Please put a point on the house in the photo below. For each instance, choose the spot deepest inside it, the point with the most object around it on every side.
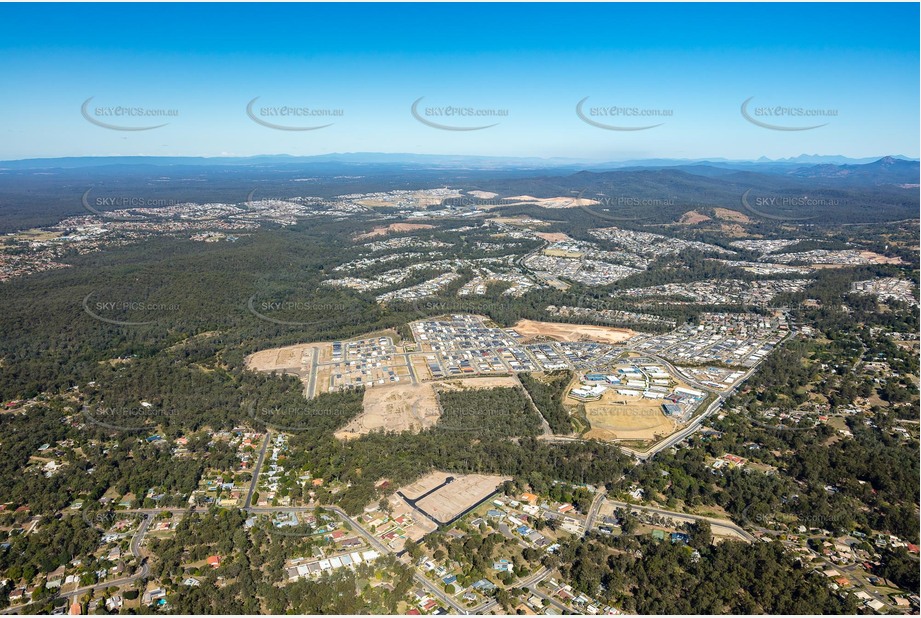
(484, 585)
(152, 596)
(214, 561)
(191, 581)
(503, 566)
(529, 498)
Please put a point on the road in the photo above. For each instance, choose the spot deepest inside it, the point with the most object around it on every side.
(141, 573)
(256, 470)
(593, 509)
(721, 527)
(532, 587)
(530, 582)
(676, 437)
(312, 382)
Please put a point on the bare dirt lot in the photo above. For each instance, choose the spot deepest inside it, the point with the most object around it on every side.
(553, 236)
(422, 525)
(425, 484)
(521, 221)
(693, 217)
(479, 383)
(638, 421)
(400, 407)
(573, 332)
(727, 214)
(449, 501)
(278, 359)
(547, 202)
(393, 227)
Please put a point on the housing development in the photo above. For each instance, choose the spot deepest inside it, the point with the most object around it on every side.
(501, 309)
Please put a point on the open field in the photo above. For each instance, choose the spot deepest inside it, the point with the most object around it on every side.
(400, 407)
(573, 332)
(393, 227)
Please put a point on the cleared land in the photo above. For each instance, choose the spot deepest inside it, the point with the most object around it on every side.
(548, 202)
(393, 227)
(479, 383)
(876, 258)
(693, 217)
(573, 332)
(450, 500)
(421, 525)
(553, 236)
(424, 484)
(293, 359)
(421, 199)
(401, 407)
(731, 215)
(641, 419)
(521, 221)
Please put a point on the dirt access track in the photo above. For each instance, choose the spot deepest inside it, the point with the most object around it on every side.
(573, 332)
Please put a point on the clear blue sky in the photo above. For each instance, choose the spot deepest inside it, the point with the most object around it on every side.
(537, 61)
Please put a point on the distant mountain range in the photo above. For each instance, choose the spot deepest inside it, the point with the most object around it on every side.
(38, 192)
(440, 161)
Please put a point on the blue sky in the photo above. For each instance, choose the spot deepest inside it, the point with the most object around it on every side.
(859, 63)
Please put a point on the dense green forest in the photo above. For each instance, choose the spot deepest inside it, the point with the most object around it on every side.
(643, 576)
